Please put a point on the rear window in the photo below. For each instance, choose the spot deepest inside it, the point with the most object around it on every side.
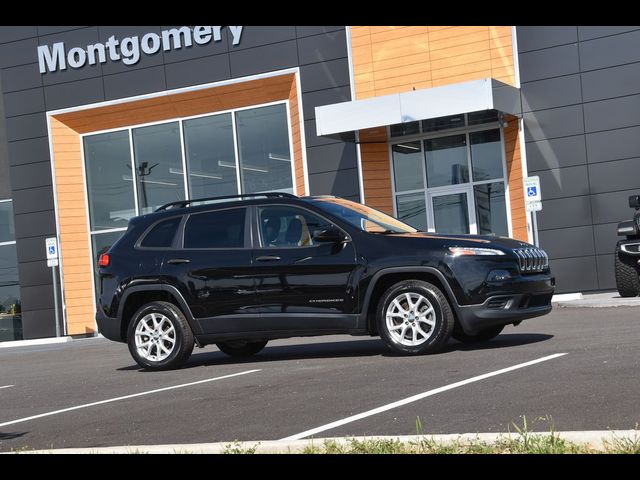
(221, 229)
(162, 234)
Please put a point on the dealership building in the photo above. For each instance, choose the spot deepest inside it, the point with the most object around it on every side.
(437, 125)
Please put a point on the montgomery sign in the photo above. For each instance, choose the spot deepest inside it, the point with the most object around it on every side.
(129, 49)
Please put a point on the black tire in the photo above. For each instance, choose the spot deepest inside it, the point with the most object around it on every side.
(443, 315)
(184, 340)
(627, 278)
(482, 336)
(241, 348)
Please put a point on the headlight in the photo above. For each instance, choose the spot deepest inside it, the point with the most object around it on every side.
(459, 251)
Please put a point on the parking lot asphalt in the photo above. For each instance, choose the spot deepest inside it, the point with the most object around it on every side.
(90, 393)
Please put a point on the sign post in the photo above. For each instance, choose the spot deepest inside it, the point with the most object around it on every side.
(52, 261)
(533, 202)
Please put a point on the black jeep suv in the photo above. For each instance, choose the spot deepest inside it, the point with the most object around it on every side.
(240, 271)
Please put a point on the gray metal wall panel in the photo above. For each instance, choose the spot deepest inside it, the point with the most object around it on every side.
(199, 51)
(556, 153)
(37, 297)
(610, 51)
(49, 29)
(69, 94)
(323, 97)
(342, 183)
(197, 71)
(264, 59)
(258, 36)
(613, 144)
(609, 114)
(31, 250)
(606, 272)
(551, 62)
(322, 48)
(595, 31)
(38, 323)
(32, 200)
(537, 37)
(121, 32)
(611, 82)
(556, 122)
(612, 207)
(24, 102)
(138, 82)
(36, 224)
(615, 175)
(34, 273)
(21, 78)
(31, 150)
(564, 182)
(575, 274)
(30, 175)
(26, 126)
(5, 179)
(606, 237)
(307, 31)
(12, 33)
(318, 76)
(568, 242)
(551, 93)
(327, 158)
(564, 213)
(18, 53)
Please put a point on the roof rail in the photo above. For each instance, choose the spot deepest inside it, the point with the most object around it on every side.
(184, 203)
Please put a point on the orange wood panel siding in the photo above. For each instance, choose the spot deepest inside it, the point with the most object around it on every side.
(376, 176)
(515, 180)
(68, 169)
(398, 59)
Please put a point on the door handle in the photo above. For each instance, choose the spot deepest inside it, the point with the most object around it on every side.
(267, 258)
(175, 261)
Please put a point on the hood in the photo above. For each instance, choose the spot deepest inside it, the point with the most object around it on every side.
(486, 241)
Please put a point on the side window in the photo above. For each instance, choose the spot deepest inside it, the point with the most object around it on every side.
(286, 227)
(162, 234)
(221, 229)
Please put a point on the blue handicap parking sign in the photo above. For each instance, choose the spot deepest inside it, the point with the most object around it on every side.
(52, 250)
(532, 191)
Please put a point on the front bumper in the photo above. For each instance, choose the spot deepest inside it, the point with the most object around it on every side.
(108, 327)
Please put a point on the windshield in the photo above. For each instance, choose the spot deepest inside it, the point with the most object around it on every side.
(361, 216)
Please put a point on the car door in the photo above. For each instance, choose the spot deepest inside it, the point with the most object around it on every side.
(302, 284)
(212, 269)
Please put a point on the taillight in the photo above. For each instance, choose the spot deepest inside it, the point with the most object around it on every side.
(104, 260)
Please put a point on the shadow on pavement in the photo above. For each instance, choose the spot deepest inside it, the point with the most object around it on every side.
(346, 349)
(11, 435)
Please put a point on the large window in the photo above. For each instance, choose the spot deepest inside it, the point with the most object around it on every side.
(10, 308)
(449, 174)
(135, 170)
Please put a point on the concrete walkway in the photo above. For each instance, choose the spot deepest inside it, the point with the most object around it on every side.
(599, 300)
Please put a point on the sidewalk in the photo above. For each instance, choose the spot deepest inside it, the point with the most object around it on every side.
(599, 300)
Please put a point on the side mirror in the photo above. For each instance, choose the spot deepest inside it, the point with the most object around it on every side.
(328, 234)
(634, 201)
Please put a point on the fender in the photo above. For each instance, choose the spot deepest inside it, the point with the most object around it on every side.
(385, 271)
(195, 326)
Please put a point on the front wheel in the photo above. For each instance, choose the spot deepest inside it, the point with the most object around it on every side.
(482, 336)
(159, 336)
(627, 279)
(414, 318)
(241, 348)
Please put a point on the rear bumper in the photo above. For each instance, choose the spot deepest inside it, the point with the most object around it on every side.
(108, 327)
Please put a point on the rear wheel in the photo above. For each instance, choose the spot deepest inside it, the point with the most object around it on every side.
(482, 336)
(414, 317)
(159, 336)
(627, 279)
(241, 348)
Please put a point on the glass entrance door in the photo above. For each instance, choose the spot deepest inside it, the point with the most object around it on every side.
(451, 211)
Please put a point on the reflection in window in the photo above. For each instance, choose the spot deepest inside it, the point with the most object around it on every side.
(158, 160)
(221, 229)
(450, 213)
(447, 160)
(108, 165)
(7, 229)
(486, 155)
(263, 145)
(443, 123)
(211, 160)
(10, 307)
(407, 166)
(412, 210)
(401, 129)
(491, 211)
(286, 227)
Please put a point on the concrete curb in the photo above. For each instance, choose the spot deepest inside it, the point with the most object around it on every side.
(38, 341)
(594, 439)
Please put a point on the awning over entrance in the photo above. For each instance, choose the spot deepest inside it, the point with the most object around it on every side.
(476, 95)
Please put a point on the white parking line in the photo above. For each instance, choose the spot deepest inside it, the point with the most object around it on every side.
(7, 386)
(101, 402)
(415, 398)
